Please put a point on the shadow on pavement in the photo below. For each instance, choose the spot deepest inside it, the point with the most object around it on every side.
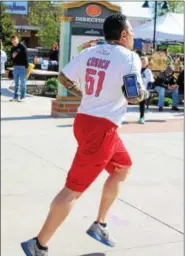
(147, 121)
(135, 109)
(94, 254)
(65, 126)
(153, 109)
(181, 114)
(21, 118)
(155, 121)
(6, 93)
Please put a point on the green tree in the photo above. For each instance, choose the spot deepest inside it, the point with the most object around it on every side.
(6, 27)
(45, 15)
(173, 49)
(174, 6)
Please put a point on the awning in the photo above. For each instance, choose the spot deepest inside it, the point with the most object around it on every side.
(29, 28)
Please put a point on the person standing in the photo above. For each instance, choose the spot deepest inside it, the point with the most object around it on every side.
(101, 70)
(148, 80)
(169, 59)
(53, 55)
(19, 57)
(3, 59)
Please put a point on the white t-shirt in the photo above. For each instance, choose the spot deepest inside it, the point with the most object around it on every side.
(3, 60)
(147, 77)
(100, 70)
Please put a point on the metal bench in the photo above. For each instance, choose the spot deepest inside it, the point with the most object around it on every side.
(153, 93)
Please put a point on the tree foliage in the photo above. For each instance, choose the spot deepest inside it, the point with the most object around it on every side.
(173, 49)
(174, 6)
(46, 16)
(7, 28)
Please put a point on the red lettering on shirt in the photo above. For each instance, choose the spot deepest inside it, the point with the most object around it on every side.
(98, 63)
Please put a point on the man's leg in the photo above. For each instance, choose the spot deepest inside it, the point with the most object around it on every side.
(142, 108)
(16, 81)
(110, 192)
(59, 210)
(161, 92)
(98, 230)
(175, 98)
(23, 82)
(118, 168)
(142, 111)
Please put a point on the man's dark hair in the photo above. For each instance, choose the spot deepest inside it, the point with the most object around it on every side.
(114, 25)
(13, 37)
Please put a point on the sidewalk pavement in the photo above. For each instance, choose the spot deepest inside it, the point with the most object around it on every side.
(37, 150)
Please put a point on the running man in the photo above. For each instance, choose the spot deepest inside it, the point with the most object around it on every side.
(100, 70)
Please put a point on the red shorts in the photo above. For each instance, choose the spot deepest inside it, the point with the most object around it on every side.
(99, 147)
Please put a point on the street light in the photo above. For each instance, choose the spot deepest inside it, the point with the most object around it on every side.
(165, 6)
(146, 4)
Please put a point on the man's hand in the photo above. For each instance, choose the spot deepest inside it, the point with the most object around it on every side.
(137, 100)
(69, 85)
(14, 54)
(132, 101)
(142, 96)
(172, 87)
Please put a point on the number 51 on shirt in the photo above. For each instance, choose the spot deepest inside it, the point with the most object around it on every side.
(94, 82)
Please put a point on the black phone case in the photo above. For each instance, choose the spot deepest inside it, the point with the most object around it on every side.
(125, 91)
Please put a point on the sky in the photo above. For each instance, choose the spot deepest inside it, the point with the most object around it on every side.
(134, 9)
(130, 9)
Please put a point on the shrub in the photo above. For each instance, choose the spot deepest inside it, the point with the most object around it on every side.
(51, 85)
(167, 101)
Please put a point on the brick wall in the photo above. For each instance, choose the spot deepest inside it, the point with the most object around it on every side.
(64, 107)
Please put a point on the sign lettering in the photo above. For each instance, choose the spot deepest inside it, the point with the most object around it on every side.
(89, 19)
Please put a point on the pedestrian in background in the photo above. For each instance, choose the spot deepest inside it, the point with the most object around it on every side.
(19, 57)
(148, 80)
(167, 81)
(54, 52)
(3, 59)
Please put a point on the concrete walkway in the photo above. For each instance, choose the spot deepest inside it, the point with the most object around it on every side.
(37, 150)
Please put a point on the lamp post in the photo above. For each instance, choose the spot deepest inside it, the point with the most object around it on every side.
(165, 6)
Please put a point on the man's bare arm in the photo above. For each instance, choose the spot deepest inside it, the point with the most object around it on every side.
(69, 85)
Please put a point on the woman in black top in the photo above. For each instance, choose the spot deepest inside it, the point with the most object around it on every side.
(54, 52)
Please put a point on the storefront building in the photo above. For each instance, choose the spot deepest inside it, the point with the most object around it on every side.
(19, 14)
